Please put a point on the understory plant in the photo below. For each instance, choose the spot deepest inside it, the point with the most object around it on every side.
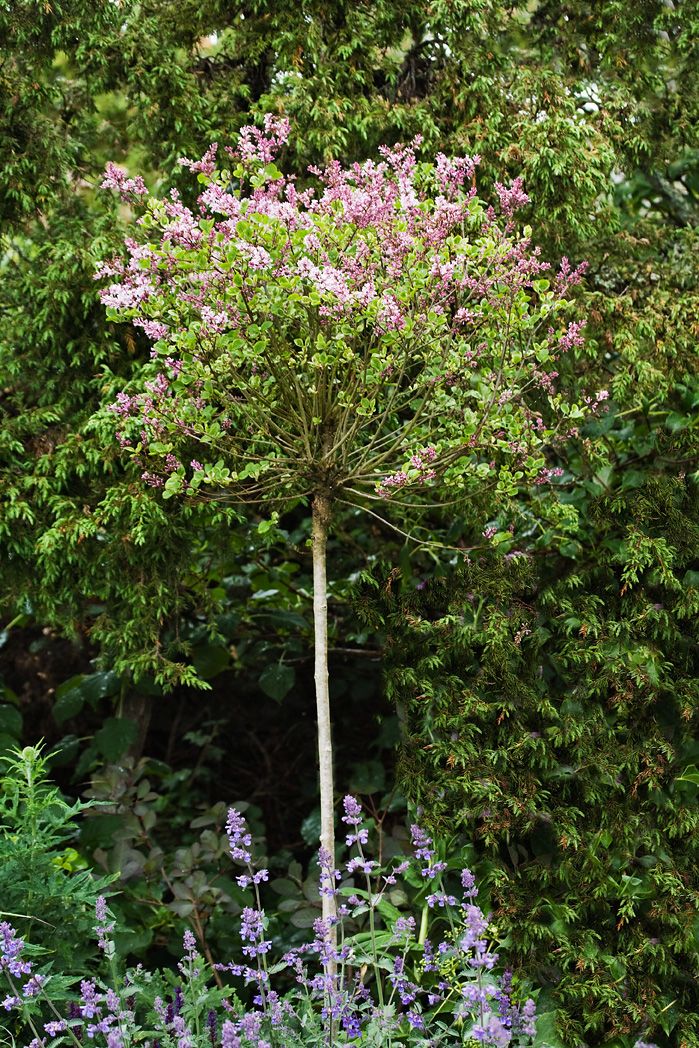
(397, 982)
(46, 885)
(380, 339)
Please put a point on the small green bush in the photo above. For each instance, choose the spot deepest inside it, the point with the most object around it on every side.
(46, 887)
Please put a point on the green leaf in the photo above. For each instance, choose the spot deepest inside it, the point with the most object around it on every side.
(277, 680)
(10, 722)
(304, 918)
(72, 695)
(310, 827)
(547, 1035)
(367, 777)
(68, 704)
(98, 686)
(7, 742)
(115, 736)
(211, 659)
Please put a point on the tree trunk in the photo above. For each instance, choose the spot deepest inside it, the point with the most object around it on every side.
(321, 523)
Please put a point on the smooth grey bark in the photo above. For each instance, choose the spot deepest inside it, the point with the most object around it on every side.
(321, 524)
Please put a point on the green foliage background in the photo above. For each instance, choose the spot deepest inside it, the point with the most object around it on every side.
(557, 692)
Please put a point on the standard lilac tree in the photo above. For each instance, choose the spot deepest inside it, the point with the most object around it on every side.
(380, 338)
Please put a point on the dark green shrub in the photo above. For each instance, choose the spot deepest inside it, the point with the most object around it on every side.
(550, 714)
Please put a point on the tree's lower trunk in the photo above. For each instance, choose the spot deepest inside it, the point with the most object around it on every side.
(137, 708)
(321, 523)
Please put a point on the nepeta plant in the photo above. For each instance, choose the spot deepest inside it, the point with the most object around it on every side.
(380, 339)
(388, 986)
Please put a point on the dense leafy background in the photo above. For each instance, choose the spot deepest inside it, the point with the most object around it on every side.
(557, 692)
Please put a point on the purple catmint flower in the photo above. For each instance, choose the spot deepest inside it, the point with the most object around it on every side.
(102, 1026)
(251, 924)
(182, 1033)
(527, 1021)
(240, 840)
(353, 810)
(422, 844)
(406, 990)
(90, 999)
(404, 926)
(189, 944)
(396, 872)
(11, 949)
(212, 1026)
(54, 1028)
(104, 926)
(367, 866)
(250, 1025)
(440, 899)
(468, 883)
(360, 837)
(353, 817)
(476, 925)
(474, 998)
(351, 1024)
(416, 1021)
(33, 986)
(490, 1031)
(229, 1036)
(328, 874)
(428, 956)
(433, 870)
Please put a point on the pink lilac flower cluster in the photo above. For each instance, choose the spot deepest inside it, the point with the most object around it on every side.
(366, 195)
(595, 403)
(127, 188)
(546, 475)
(419, 471)
(258, 288)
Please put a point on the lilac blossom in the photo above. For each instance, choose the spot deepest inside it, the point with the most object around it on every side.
(127, 188)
